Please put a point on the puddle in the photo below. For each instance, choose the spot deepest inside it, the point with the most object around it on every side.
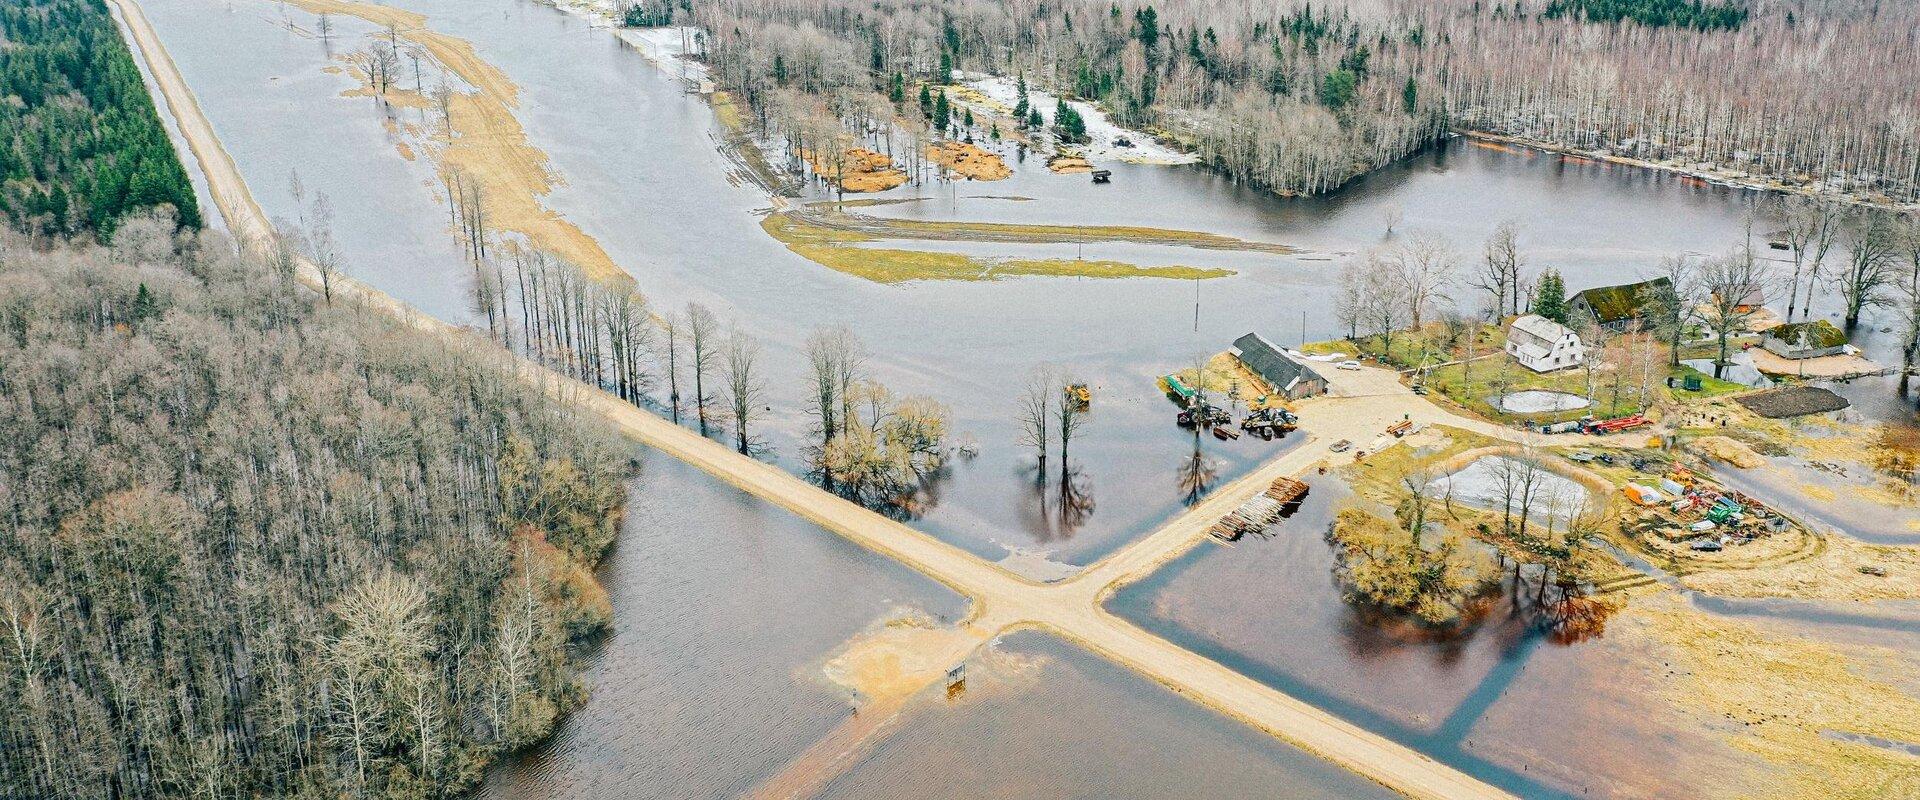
(1541, 401)
(1493, 482)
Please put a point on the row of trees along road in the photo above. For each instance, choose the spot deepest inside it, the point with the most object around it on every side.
(80, 142)
(1302, 97)
(258, 545)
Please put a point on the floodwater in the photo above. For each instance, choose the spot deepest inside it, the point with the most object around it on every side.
(1500, 702)
(1046, 719)
(640, 172)
(724, 610)
(724, 607)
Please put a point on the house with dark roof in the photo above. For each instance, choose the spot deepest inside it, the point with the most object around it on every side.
(1804, 340)
(1616, 308)
(1290, 377)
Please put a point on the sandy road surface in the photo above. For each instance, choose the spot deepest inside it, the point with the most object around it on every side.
(1002, 601)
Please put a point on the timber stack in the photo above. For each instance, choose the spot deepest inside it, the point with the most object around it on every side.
(1282, 496)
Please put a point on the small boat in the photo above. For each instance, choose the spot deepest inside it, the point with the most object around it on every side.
(1223, 433)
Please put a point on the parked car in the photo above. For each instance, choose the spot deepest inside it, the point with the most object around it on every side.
(1342, 446)
(1583, 457)
(1349, 365)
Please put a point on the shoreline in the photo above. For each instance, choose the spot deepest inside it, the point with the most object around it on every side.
(1713, 177)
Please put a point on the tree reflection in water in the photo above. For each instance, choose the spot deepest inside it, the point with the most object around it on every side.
(1197, 474)
(1058, 503)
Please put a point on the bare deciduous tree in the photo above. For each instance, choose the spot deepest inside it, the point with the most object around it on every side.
(744, 390)
(1728, 281)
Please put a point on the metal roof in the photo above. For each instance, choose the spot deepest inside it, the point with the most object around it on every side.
(1271, 362)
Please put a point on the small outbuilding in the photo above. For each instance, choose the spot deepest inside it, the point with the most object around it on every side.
(1805, 340)
(1290, 377)
(1542, 345)
(1617, 308)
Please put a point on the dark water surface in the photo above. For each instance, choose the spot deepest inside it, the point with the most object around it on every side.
(1500, 702)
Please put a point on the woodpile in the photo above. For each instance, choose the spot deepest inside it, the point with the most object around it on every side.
(1256, 514)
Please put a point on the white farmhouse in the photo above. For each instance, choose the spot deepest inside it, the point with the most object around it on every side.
(1542, 345)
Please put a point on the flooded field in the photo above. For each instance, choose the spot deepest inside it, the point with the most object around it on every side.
(683, 225)
(1049, 720)
(724, 611)
(1500, 702)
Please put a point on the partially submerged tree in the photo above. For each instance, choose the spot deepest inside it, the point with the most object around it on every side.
(703, 351)
(1036, 413)
(745, 392)
(1872, 242)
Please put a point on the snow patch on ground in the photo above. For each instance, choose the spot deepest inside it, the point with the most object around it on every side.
(668, 47)
(665, 47)
(1000, 95)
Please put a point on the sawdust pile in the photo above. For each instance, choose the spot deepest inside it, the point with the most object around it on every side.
(862, 171)
(1069, 164)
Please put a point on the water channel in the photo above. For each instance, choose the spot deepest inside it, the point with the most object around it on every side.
(724, 607)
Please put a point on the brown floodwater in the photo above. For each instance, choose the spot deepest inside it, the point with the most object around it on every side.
(1042, 718)
(725, 607)
(640, 172)
(724, 610)
(1499, 701)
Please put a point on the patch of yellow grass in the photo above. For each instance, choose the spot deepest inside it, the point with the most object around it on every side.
(1831, 573)
(1774, 695)
(832, 248)
(1728, 450)
(488, 145)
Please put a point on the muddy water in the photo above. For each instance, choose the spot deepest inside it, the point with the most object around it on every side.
(725, 606)
(641, 174)
(1045, 719)
(724, 611)
(1269, 607)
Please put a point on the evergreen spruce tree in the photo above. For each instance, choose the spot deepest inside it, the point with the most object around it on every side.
(1550, 300)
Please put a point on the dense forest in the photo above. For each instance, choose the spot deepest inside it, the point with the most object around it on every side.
(1302, 97)
(81, 145)
(261, 544)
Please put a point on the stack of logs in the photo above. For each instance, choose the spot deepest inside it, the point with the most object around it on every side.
(1255, 514)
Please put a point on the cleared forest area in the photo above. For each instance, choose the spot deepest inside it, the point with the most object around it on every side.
(1302, 97)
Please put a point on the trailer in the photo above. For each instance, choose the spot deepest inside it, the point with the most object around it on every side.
(1401, 428)
(1617, 425)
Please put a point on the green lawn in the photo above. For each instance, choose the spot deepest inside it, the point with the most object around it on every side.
(1491, 377)
(1435, 343)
